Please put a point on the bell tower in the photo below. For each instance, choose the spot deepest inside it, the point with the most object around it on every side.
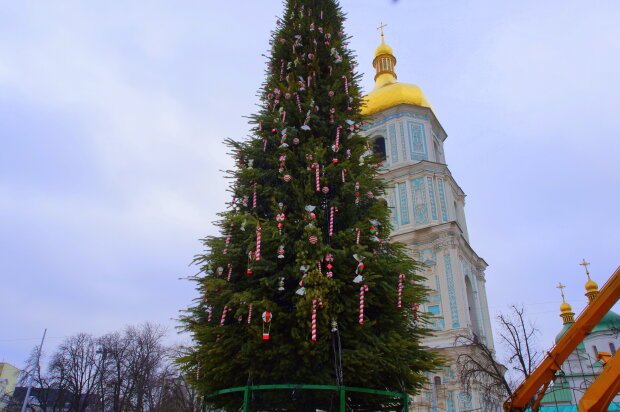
(428, 215)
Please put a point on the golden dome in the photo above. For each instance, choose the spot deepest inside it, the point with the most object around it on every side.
(591, 286)
(565, 308)
(388, 92)
(383, 48)
(391, 95)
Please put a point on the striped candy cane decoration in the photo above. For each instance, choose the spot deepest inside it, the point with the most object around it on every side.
(401, 280)
(346, 85)
(254, 197)
(229, 272)
(363, 290)
(332, 210)
(309, 81)
(249, 313)
(357, 193)
(258, 240)
(224, 313)
(317, 176)
(342, 174)
(357, 236)
(337, 144)
(284, 116)
(210, 314)
(228, 236)
(298, 102)
(315, 302)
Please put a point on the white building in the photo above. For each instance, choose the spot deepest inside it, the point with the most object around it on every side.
(428, 215)
(583, 364)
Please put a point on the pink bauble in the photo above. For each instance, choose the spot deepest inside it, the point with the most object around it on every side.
(313, 239)
(295, 140)
(287, 178)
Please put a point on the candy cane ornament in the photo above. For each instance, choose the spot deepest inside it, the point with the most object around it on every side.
(224, 313)
(357, 193)
(254, 197)
(346, 85)
(342, 174)
(337, 144)
(229, 272)
(332, 210)
(317, 176)
(363, 290)
(258, 241)
(315, 303)
(401, 280)
(357, 236)
(228, 236)
(249, 313)
(210, 314)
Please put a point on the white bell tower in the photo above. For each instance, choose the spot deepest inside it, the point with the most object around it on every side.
(428, 215)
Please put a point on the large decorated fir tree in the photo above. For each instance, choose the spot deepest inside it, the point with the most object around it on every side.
(303, 286)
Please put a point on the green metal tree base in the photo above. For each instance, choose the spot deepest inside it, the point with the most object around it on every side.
(342, 390)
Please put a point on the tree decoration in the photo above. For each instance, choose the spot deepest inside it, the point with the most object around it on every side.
(224, 313)
(229, 272)
(329, 258)
(228, 236)
(315, 303)
(332, 211)
(266, 324)
(357, 193)
(360, 268)
(401, 281)
(249, 313)
(363, 290)
(258, 242)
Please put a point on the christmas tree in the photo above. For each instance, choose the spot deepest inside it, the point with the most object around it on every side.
(303, 286)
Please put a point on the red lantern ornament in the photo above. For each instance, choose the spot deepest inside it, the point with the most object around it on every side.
(266, 324)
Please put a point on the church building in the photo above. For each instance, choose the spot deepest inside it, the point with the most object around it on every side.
(428, 215)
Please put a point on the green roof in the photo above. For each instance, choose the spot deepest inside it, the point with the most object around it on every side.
(610, 321)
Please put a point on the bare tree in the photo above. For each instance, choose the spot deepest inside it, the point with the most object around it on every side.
(132, 370)
(74, 369)
(477, 364)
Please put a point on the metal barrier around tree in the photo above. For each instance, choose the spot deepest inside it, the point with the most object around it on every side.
(342, 393)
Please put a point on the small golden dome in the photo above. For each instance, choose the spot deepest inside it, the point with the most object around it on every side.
(383, 48)
(565, 308)
(591, 286)
(391, 95)
(388, 92)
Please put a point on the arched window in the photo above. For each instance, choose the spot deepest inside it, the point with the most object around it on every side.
(378, 147)
(437, 380)
(472, 305)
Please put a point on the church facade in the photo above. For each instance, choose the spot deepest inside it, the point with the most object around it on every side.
(428, 215)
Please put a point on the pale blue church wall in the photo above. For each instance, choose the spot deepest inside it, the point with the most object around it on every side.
(454, 311)
(418, 195)
(408, 137)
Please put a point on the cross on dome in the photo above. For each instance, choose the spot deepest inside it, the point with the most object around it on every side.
(585, 266)
(561, 287)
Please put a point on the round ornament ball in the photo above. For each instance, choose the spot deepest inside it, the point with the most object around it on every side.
(295, 140)
(267, 317)
(313, 239)
(287, 178)
(249, 272)
(325, 189)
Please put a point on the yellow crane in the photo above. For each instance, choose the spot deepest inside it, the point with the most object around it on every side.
(607, 384)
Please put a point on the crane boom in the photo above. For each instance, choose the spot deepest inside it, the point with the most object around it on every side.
(545, 371)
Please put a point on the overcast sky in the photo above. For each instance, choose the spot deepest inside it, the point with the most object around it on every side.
(112, 116)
